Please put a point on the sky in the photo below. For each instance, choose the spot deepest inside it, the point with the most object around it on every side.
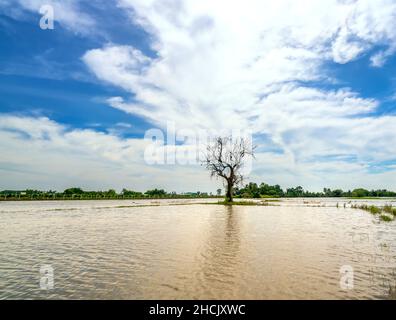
(313, 81)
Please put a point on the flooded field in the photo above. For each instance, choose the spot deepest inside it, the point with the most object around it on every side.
(191, 249)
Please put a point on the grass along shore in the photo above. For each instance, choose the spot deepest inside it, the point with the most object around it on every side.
(386, 213)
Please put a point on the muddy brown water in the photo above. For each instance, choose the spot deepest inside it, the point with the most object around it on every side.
(183, 249)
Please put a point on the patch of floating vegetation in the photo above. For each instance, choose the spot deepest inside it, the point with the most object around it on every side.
(386, 218)
(386, 213)
(244, 203)
(389, 209)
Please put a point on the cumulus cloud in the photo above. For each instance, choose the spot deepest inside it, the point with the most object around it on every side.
(214, 61)
(254, 65)
(257, 65)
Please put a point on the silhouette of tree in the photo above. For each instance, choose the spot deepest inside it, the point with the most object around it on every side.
(225, 158)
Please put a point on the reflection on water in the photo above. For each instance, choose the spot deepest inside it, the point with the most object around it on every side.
(220, 259)
(127, 250)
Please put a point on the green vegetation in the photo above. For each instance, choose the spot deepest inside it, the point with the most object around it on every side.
(386, 213)
(249, 191)
(80, 194)
(374, 210)
(386, 218)
(389, 209)
(252, 190)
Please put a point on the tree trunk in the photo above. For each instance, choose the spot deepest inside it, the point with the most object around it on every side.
(229, 192)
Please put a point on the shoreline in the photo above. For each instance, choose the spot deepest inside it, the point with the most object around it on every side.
(194, 198)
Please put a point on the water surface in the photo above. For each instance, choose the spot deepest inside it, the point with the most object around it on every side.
(292, 249)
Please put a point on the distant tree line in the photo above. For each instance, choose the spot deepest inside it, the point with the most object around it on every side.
(252, 190)
(80, 194)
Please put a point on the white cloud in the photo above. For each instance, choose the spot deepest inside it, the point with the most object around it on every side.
(123, 125)
(242, 65)
(40, 153)
(345, 49)
(66, 12)
(282, 170)
(248, 65)
(378, 60)
(216, 64)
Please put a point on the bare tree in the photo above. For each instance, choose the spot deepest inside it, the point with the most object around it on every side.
(225, 158)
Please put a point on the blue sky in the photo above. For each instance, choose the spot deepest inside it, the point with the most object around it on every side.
(317, 89)
(42, 72)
